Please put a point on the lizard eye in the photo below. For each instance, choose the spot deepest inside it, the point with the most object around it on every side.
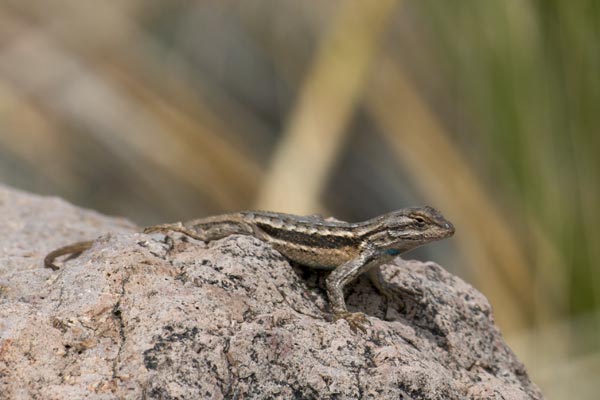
(420, 222)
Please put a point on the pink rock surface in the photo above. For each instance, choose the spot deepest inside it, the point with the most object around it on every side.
(143, 316)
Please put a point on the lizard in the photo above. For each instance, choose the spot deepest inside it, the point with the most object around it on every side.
(347, 249)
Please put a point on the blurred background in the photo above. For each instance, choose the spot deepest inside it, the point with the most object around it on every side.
(171, 110)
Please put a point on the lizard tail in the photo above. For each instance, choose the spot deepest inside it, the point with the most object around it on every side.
(74, 249)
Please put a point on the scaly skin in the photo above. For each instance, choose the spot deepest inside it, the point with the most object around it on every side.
(347, 249)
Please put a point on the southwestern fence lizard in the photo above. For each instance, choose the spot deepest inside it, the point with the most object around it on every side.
(346, 248)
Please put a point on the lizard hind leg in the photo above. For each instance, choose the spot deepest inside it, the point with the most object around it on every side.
(207, 229)
(178, 227)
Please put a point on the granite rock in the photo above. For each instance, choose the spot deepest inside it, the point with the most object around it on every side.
(169, 317)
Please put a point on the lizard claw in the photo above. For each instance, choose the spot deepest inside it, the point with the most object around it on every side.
(355, 320)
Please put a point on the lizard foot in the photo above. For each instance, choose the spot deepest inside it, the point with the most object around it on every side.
(355, 320)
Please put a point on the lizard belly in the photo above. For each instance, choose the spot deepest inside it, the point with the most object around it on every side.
(321, 258)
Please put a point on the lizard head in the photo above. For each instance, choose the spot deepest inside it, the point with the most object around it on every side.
(409, 228)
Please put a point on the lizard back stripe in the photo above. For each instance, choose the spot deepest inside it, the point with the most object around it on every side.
(308, 239)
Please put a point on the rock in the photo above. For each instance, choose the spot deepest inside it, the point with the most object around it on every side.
(149, 316)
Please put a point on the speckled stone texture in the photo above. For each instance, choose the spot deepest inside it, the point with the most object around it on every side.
(146, 316)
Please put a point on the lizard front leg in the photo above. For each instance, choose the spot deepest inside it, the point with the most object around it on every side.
(339, 278)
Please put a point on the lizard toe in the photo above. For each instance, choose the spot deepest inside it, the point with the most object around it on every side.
(357, 321)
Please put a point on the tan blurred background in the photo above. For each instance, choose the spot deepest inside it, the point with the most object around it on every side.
(487, 110)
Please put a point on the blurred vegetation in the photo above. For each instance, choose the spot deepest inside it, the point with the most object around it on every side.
(170, 110)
